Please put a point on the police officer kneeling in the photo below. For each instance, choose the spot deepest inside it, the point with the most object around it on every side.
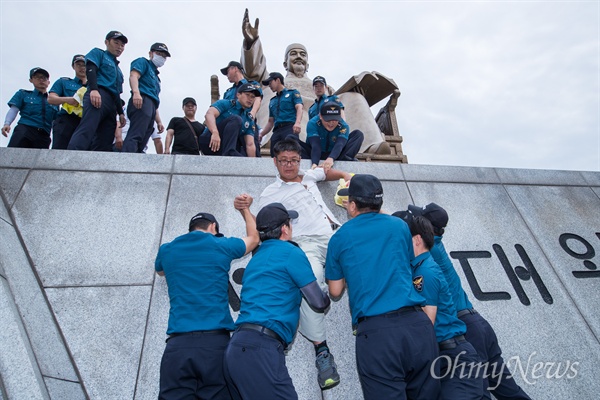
(274, 282)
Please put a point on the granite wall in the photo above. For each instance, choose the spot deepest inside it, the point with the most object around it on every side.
(84, 316)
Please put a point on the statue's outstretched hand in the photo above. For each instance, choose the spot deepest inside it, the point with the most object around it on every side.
(250, 32)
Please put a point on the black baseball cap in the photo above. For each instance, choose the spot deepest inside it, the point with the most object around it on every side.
(363, 185)
(273, 216)
(116, 35)
(232, 64)
(319, 79)
(405, 215)
(38, 70)
(188, 100)
(331, 111)
(272, 76)
(160, 47)
(77, 57)
(434, 213)
(209, 217)
(249, 87)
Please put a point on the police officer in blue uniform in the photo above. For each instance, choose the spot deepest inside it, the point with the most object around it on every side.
(142, 109)
(320, 88)
(328, 137)
(35, 124)
(285, 111)
(479, 332)
(395, 340)
(276, 278)
(196, 266)
(62, 92)
(230, 128)
(235, 74)
(456, 353)
(101, 102)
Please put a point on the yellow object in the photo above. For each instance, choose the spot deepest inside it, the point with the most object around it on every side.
(339, 200)
(78, 109)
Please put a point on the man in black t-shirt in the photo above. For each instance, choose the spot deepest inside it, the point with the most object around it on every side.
(185, 131)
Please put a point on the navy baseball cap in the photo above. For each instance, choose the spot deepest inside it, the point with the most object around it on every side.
(319, 79)
(434, 213)
(363, 185)
(160, 47)
(116, 35)
(77, 57)
(249, 87)
(189, 100)
(272, 76)
(38, 70)
(331, 111)
(206, 216)
(232, 64)
(273, 216)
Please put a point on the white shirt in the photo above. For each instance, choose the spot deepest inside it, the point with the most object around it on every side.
(314, 217)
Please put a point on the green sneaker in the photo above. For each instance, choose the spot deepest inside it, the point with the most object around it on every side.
(328, 376)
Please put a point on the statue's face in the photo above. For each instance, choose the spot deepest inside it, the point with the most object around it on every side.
(297, 60)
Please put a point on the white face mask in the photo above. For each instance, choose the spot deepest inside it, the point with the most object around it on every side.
(158, 61)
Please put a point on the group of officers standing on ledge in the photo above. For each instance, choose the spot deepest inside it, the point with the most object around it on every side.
(86, 112)
(417, 334)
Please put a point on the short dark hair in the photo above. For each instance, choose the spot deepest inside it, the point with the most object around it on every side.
(366, 204)
(273, 233)
(287, 145)
(200, 223)
(422, 226)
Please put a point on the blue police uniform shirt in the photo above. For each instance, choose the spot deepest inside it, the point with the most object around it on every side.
(372, 252)
(66, 87)
(315, 128)
(314, 110)
(34, 109)
(196, 266)
(149, 82)
(282, 106)
(271, 287)
(459, 297)
(227, 108)
(109, 74)
(230, 94)
(429, 281)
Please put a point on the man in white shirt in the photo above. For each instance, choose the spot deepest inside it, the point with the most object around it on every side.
(312, 229)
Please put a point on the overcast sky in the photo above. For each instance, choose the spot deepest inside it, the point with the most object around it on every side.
(493, 84)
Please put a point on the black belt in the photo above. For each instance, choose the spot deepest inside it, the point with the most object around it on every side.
(466, 311)
(394, 313)
(264, 330)
(452, 343)
(283, 124)
(209, 332)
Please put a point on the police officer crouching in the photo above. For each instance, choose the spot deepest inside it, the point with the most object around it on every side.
(276, 278)
(230, 128)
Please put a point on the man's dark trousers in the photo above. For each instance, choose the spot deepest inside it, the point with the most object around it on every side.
(96, 131)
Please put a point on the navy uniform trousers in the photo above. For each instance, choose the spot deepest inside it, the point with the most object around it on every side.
(255, 367)
(395, 354)
(29, 137)
(460, 372)
(192, 367)
(96, 131)
(141, 125)
(229, 131)
(483, 338)
(62, 130)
